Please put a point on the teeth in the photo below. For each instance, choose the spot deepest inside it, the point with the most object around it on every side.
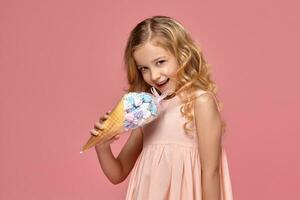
(162, 82)
(159, 84)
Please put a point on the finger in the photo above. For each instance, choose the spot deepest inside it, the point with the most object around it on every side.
(103, 118)
(94, 132)
(98, 126)
(116, 138)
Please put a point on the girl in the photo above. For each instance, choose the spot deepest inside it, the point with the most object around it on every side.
(179, 155)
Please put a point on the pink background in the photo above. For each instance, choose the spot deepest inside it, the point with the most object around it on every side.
(61, 69)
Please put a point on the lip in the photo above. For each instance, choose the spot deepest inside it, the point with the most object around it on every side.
(159, 84)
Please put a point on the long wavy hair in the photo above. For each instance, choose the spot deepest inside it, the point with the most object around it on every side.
(193, 73)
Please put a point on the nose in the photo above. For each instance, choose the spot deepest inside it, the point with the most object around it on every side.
(155, 75)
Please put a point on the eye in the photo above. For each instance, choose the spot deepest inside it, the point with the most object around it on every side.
(142, 69)
(161, 61)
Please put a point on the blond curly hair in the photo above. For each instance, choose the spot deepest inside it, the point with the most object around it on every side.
(193, 73)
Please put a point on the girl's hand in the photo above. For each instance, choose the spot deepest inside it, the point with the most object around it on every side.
(98, 127)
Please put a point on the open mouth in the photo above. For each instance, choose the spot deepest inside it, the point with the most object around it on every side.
(163, 83)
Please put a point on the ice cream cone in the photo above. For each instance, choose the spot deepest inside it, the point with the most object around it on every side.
(111, 127)
(134, 110)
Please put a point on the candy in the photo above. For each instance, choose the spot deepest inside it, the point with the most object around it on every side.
(142, 103)
(133, 111)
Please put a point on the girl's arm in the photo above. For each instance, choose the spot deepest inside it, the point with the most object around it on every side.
(117, 169)
(208, 124)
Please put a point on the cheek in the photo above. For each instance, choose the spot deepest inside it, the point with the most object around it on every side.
(172, 72)
(173, 67)
(146, 77)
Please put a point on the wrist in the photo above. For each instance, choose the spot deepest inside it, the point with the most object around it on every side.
(102, 146)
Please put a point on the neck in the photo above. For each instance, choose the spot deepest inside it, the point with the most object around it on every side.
(170, 96)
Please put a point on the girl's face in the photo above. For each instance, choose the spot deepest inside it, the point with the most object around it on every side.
(157, 66)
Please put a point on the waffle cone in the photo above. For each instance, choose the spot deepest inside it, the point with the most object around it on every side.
(113, 125)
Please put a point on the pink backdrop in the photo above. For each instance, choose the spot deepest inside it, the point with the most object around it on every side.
(61, 68)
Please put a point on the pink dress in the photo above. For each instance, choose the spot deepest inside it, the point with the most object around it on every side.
(168, 168)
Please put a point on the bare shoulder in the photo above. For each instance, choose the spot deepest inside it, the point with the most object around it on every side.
(206, 110)
(206, 101)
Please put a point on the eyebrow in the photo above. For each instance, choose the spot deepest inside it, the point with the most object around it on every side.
(154, 60)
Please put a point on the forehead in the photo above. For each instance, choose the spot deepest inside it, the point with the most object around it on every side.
(148, 52)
